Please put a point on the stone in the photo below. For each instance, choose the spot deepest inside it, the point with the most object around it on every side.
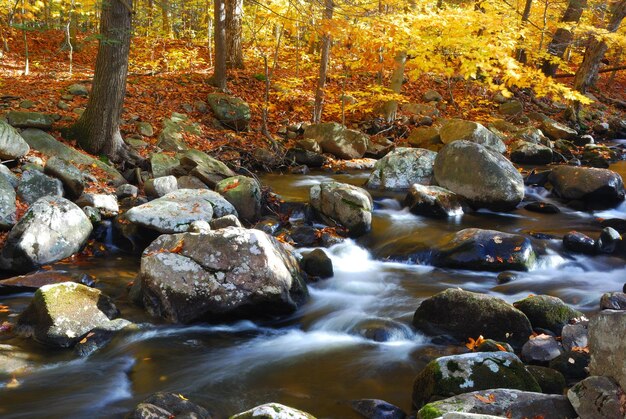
(68, 174)
(163, 405)
(433, 201)
(244, 193)
(12, 145)
(306, 157)
(531, 135)
(194, 159)
(542, 207)
(231, 272)
(447, 313)
(512, 107)
(161, 186)
(35, 280)
(190, 182)
(432, 96)
(225, 221)
(78, 90)
(461, 130)
(309, 144)
(171, 136)
(7, 205)
(61, 314)
(579, 243)
(547, 312)
(9, 176)
(14, 362)
(34, 185)
(609, 240)
(162, 164)
(420, 109)
(513, 404)
(551, 381)
(377, 409)
(425, 137)
(607, 344)
(613, 301)
(402, 168)
(382, 330)
(93, 214)
(199, 227)
(337, 140)
(457, 374)
(575, 335)
(495, 183)
(557, 131)
(106, 204)
(20, 119)
(474, 248)
(591, 185)
(317, 264)
(523, 152)
(540, 350)
(348, 205)
(273, 411)
(145, 129)
(573, 364)
(597, 398)
(232, 112)
(126, 191)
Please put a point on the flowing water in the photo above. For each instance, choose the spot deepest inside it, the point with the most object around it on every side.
(315, 360)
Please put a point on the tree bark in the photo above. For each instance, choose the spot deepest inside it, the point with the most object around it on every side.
(325, 56)
(97, 130)
(391, 107)
(234, 18)
(219, 39)
(563, 37)
(520, 53)
(587, 73)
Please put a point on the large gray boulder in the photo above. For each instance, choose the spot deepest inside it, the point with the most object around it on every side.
(513, 404)
(231, 111)
(456, 374)
(402, 168)
(232, 272)
(556, 130)
(449, 313)
(595, 186)
(597, 398)
(52, 229)
(348, 205)
(174, 212)
(273, 411)
(607, 345)
(482, 176)
(12, 145)
(7, 204)
(20, 119)
(34, 185)
(461, 130)
(68, 174)
(244, 193)
(337, 140)
(524, 152)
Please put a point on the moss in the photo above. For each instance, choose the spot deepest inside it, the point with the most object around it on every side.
(453, 366)
(429, 412)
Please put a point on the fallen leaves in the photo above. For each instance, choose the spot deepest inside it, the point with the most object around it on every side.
(473, 344)
(490, 398)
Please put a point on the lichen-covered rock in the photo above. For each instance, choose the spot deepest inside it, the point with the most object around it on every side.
(225, 221)
(494, 182)
(164, 405)
(456, 374)
(174, 212)
(231, 111)
(348, 205)
(160, 186)
(34, 185)
(52, 229)
(448, 312)
(106, 204)
(20, 119)
(597, 398)
(461, 130)
(594, 186)
(12, 145)
(513, 404)
(433, 201)
(607, 344)
(68, 174)
(337, 140)
(7, 204)
(556, 130)
(377, 409)
(474, 248)
(232, 272)
(78, 90)
(402, 168)
(547, 312)
(273, 411)
(61, 314)
(244, 193)
(523, 152)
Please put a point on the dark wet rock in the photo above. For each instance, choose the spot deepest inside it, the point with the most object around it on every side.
(12, 145)
(34, 185)
(607, 343)
(512, 107)
(506, 277)
(490, 345)
(68, 174)
(61, 314)
(317, 264)
(229, 220)
(541, 349)
(557, 131)
(244, 193)
(402, 168)
(161, 186)
(163, 405)
(523, 152)
(537, 178)
(551, 381)
(575, 335)
(542, 207)
(337, 140)
(513, 404)
(52, 229)
(579, 243)
(613, 301)
(305, 157)
(273, 411)
(7, 205)
(478, 249)
(616, 223)
(573, 365)
(106, 204)
(231, 111)
(149, 411)
(304, 236)
(597, 398)
(599, 155)
(20, 119)
(547, 312)
(609, 240)
(461, 130)
(447, 313)
(377, 409)
(594, 186)
(126, 191)
(272, 225)
(433, 201)
(495, 183)
(33, 281)
(231, 272)
(348, 205)
(100, 337)
(382, 330)
(457, 374)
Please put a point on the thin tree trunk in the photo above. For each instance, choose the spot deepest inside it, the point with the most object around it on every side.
(234, 18)
(26, 55)
(520, 54)
(166, 25)
(391, 106)
(563, 37)
(325, 56)
(219, 37)
(98, 129)
(588, 70)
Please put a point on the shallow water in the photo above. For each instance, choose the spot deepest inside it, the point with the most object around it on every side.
(314, 360)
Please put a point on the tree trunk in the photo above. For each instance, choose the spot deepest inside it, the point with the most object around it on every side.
(391, 107)
(321, 81)
(98, 129)
(520, 53)
(563, 37)
(234, 18)
(588, 70)
(166, 25)
(219, 38)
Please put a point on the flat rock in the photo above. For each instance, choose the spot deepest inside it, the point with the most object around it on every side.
(20, 119)
(607, 345)
(68, 174)
(34, 185)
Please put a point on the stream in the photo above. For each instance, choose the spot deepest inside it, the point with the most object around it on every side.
(314, 360)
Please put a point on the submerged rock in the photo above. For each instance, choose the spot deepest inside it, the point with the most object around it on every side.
(579, 243)
(402, 168)
(348, 205)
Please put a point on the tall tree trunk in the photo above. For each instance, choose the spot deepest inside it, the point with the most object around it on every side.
(219, 38)
(166, 24)
(520, 53)
(234, 18)
(563, 37)
(98, 129)
(588, 70)
(391, 107)
(325, 56)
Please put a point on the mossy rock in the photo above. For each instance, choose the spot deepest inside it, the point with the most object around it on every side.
(245, 195)
(547, 312)
(231, 111)
(551, 381)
